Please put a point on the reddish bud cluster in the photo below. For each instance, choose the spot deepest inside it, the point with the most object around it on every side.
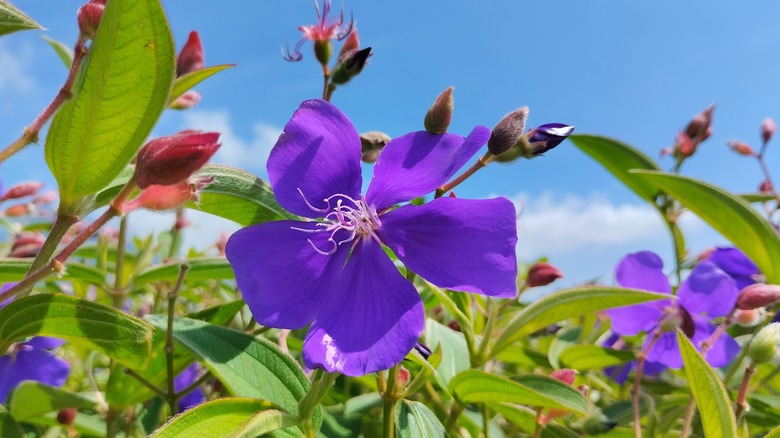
(698, 130)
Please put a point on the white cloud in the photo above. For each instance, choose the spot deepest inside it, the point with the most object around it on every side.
(14, 69)
(250, 155)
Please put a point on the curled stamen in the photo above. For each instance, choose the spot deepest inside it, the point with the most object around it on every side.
(325, 253)
(313, 208)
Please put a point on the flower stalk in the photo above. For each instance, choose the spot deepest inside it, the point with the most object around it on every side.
(389, 398)
(640, 362)
(172, 396)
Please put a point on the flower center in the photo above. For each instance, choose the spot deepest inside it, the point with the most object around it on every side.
(347, 220)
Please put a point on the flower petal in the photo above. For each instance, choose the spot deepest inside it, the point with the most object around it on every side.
(372, 319)
(722, 351)
(283, 280)
(640, 270)
(736, 264)
(31, 364)
(666, 350)
(461, 244)
(319, 154)
(44, 342)
(708, 290)
(630, 320)
(419, 162)
(186, 378)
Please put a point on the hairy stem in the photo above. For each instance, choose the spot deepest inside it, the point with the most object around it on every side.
(481, 162)
(742, 404)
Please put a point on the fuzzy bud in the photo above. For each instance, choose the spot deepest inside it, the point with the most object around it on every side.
(171, 160)
(741, 148)
(351, 44)
(768, 128)
(764, 345)
(89, 17)
(191, 57)
(350, 66)
(372, 143)
(185, 101)
(758, 295)
(67, 416)
(507, 132)
(439, 115)
(21, 190)
(542, 274)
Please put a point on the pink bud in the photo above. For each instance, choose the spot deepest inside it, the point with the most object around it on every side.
(185, 101)
(25, 239)
(402, 377)
(768, 128)
(351, 44)
(542, 274)
(171, 160)
(748, 318)
(67, 416)
(758, 295)
(699, 128)
(741, 148)
(45, 198)
(168, 197)
(191, 57)
(685, 145)
(564, 375)
(21, 190)
(89, 17)
(765, 187)
(18, 210)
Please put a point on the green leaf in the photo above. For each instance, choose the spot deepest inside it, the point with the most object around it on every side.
(183, 83)
(109, 192)
(523, 417)
(756, 197)
(120, 94)
(120, 336)
(16, 269)
(568, 303)
(205, 268)
(63, 51)
(474, 386)
(712, 400)
(734, 218)
(619, 158)
(227, 417)
(774, 433)
(221, 314)
(455, 353)
(9, 428)
(31, 399)
(414, 420)
(12, 20)
(248, 366)
(586, 357)
(238, 196)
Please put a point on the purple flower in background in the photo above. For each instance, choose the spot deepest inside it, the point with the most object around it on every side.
(707, 293)
(186, 378)
(733, 262)
(31, 360)
(331, 271)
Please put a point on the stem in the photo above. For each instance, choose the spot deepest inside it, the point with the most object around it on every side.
(640, 362)
(485, 421)
(481, 162)
(492, 309)
(329, 93)
(452, 418)
(538, 426)
(688, 420)
(742, 405)
(57, 264)
(30, 133)
(145, 382)
(176, 232)
(118, 293)
(172, 397)
(326, 92)
(194, 385)
(388, 403)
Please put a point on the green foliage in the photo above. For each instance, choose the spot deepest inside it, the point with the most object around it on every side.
(119, 95)
(13, 20)
(415, 420)
(32, 399)
(183, 83)
(123, 337)
(63, 52)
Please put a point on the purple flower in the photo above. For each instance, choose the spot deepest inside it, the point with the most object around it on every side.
(321, 32)
(31, 360)
(733, 262)
(186, 378)
(546, 137)
(332, 271)
(707, 293)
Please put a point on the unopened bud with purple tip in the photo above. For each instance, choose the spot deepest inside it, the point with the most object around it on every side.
(508, 131)
(768, 128)
(439, 115)
(191, 57)
(350, 66)
(170, 160)
(758, 295)
(547, 136)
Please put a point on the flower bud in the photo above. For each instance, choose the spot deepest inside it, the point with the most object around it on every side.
(423, 349)
(28, 188)
(351, 44)
(350, 66)
(684, 145)
(764, 345)
(162, 198)
(564, 375)
(699, 128)
(765, 187)
(322, 50)
(768, 128)
(372, 143)
(171, 160)
(191, 57)
(185, 101)
(546, 137)
(45, 198)
(402, 377)
(741, 148)
(89, 17)
(67, 416)
(507, 132)
(18, 210)
(542, 274)
(439, 115)
(748, 318)
(758, 295)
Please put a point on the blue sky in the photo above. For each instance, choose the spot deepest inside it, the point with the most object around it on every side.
(637, 71)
